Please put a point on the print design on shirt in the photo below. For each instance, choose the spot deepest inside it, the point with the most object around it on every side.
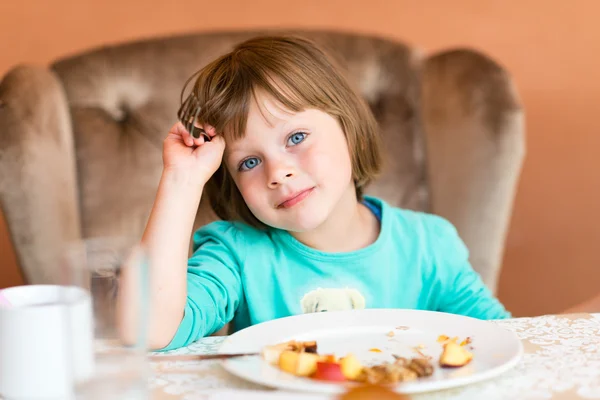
(332, 299)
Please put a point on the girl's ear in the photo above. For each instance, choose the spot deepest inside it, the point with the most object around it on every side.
(357, 299)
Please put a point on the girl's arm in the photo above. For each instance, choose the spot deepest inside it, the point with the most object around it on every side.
(188, 164)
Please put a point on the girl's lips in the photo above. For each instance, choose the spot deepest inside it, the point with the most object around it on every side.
(296, 198)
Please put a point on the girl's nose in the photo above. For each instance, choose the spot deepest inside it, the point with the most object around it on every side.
(279, 173)
(276, 181)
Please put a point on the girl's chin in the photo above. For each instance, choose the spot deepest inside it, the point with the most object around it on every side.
(304, 225)
(300, 224)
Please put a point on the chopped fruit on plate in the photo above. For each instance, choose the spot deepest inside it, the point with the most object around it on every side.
(351, 367)
(288, 361)
(301, 359)
(445, 339)
(271, 354)
(328, 371)
(299, 364)
(331, 358)
(454, 355)
(307, 364)
(442, 338)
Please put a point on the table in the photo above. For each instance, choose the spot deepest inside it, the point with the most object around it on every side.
(561, 361)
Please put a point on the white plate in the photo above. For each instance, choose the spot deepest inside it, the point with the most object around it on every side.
(495, 349)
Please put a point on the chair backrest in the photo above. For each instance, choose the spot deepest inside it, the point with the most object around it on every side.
(121, 100)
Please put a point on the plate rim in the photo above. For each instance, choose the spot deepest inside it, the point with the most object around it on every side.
(335, 388)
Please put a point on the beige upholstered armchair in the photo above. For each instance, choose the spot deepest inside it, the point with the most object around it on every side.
(80, 141)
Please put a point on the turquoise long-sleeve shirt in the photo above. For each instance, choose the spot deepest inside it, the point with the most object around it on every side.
(243, 275)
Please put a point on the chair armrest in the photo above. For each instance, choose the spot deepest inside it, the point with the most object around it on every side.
(38, 185)
(475, 141)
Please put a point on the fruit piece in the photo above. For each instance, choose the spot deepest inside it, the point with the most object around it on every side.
(375, 350)
(391, 334)
(288, 360)
(307, 364)
(350, 366)
(454, 355)
(328, 358)
(299, 364)
(329, 372)
(271, 354)
(465, 342)
(442, 338)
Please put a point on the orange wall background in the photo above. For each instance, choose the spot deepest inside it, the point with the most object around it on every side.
(551, 47)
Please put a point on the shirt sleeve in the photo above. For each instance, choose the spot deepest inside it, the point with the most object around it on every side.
(461, 289)
(214, 287)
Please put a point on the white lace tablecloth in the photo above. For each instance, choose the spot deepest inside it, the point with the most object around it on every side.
(561, 361)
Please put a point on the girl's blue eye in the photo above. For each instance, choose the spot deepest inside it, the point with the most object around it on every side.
(296, 138)
(249, 163)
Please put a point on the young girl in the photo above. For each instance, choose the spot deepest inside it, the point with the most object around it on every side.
(290, 149)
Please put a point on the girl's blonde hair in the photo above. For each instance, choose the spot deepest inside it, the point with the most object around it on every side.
(297, 74)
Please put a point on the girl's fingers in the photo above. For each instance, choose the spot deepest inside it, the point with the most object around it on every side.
(179, 130)
(199, 141)
(207, 133)
(210, 131)
(188, 139)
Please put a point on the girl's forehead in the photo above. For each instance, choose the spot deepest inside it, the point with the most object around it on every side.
(262, 118)
(267, 110)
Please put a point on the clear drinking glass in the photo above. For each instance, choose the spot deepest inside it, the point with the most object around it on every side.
(120, 314)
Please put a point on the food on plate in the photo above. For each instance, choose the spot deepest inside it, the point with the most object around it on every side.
(297, 358)
(401, 370)
(329, 358)
(298, 363)
(455, 355)
(329, 371)
(444, 339)
(302, 359)
(422, 367)
(351, 367)
(420, 353)
(387, 373)
(271, 354)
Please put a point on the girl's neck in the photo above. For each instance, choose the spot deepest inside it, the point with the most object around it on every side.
(351, 226)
